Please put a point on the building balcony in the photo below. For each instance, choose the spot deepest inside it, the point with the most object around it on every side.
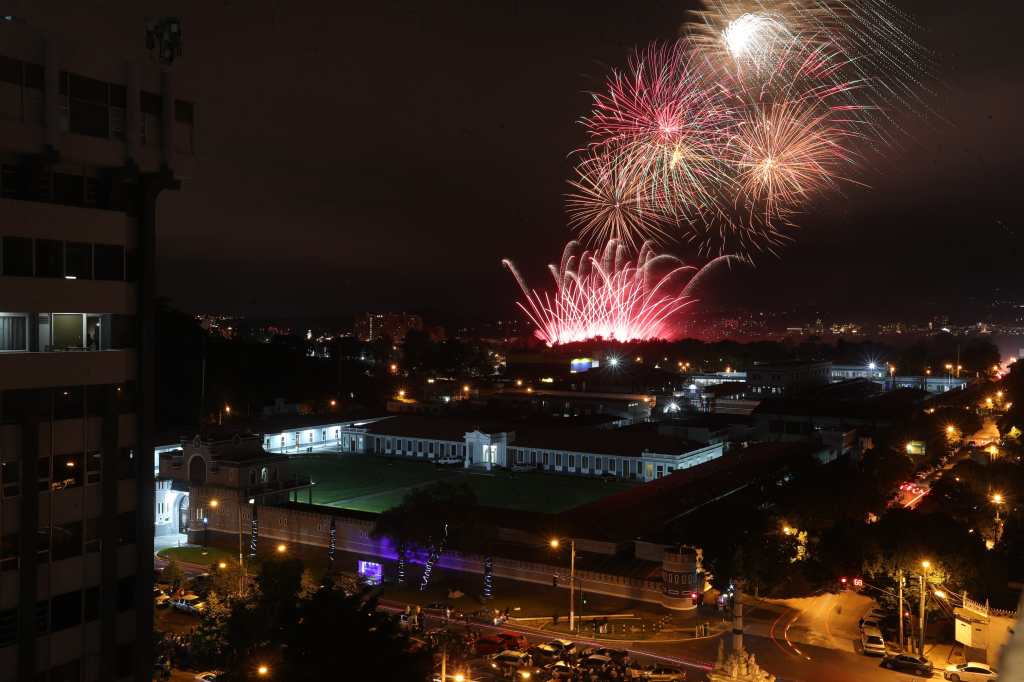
(81, 368)
(43, 220)
(41, 294)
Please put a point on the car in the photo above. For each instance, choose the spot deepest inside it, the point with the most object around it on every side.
(970, 672)
(566, 648)
(619, 656)
(510, 661)
(544, 654)
(559, 670)
(210, 676)
(906, 663)
(872, 642)
(489, 644)
(514, 641)
(190, 603)
(596, 661)
(663, 673)
(869, 621)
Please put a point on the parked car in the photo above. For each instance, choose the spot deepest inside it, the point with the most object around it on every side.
(595, 661)
(566, 648)
(559, 670)
(190, 603)
(664, 674)
(489, 644)
(872, 642)
(970, 672)
(619, 656)
(514, 641)
(544, 654)
(905, 663)
(870, 622)
(510, 661)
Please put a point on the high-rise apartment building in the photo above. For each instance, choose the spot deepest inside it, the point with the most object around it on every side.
(87, 144)
(394, 326)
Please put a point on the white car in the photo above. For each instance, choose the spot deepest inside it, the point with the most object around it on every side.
(510, 660)
(971, 672)
(872, 642)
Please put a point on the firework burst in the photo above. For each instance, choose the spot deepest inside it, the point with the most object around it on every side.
(604, 293)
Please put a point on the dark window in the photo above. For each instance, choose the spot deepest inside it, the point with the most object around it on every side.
(42, 617)
(78, 260)
(10, 477)
(93, 467)
(67, 471)
(43, 473)
(65, 611)
(67, 541)
(118, 96)
(68, 402)
(9, 552)
(8, 181)
(49, 258)
(126, 528)
(33, 76)
(92, 535)
(108, 261)
(125, 593)
(87, 118)
(88, 89)
(131, 264)
(92, 604)
(10, 70)
(17, 255)
(8, 626)
(68, 189)
(13, 332)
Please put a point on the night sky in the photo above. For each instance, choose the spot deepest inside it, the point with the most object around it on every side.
(389, 154)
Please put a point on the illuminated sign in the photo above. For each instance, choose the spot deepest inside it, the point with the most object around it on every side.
(577, 365)
(371, 572)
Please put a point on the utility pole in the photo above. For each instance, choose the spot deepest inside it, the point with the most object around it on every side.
(899, 581)
(924, 565)
(572, 585)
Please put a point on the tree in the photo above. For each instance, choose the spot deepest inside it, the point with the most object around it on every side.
(173, 575)
(329, 617)
(428, 518)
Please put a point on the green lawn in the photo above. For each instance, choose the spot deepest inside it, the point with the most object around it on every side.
(198, 555)
(373, 483)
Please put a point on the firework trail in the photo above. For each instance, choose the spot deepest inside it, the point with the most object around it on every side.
(604, 293)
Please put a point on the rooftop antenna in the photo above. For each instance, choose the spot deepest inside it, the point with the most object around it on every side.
(163, 39)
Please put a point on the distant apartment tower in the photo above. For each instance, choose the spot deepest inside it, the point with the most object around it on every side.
(87, 144)
(373, 326)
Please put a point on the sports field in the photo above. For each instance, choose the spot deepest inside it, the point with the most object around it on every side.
(373, 483)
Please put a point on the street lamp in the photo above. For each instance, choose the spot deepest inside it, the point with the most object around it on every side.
(282, 548)
(555, 544)
(925, 565)
(263, 670)
(213, 503)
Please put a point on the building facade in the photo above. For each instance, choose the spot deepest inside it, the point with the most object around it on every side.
(780, 377)
(87, 144)
(393, 326)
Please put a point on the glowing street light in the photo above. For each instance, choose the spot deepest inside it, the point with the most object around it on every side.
(465, 388)
(555, 544)
(926, 564)
(214, 502)
(997, 498)
(263, 670)
(334, 403)
(222, 565)
(282, 548)
(401, 393)
(459, 677)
